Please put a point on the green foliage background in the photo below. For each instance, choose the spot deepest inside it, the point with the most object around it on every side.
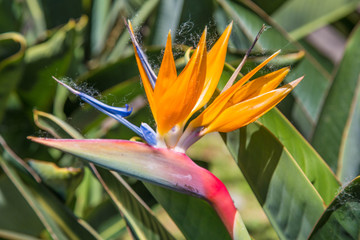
(287, 172)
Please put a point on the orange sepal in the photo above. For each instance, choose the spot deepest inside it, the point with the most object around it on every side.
(216, 107)
(259, 85)
(248, 111)
(178, 100)
(167, 73)
(214, 67)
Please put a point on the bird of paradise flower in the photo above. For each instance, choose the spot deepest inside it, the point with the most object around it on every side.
(173, 100)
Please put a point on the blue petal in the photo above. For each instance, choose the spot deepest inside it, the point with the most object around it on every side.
(117, 113)
(149, 72)
(128, 124)
(148, 134)
(121, 111)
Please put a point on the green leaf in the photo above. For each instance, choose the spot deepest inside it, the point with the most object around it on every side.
(55, 126)
(58, 13)
(10, 15)
(12, 50)
(313, 166)
(43, 215)
(309, 94)
(4, 234)
(325, 62)
(14, 207)
(37, 18)
(341, 220)
(64, 180)
(57, 219)
(167, 18)
(195, 217)
(52, 57)
(329, 133)
(141, 15)
(139, 217)
(301, 17)
(282, 60)
(111, 74)
(349, 160)
(269, 7)
(89, 194)
(101, 23)
(288, 198)
(105, 218)
(194, 18)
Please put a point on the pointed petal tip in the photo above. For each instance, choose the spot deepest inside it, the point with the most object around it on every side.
(128, 23)
(202, 41)
(35, 139)
(203, 35)
(131, 31)
(38, 139)
(229, 27)
(294, 83)
(57, 80)
(168, 40)
(67, 86)
(286, 70)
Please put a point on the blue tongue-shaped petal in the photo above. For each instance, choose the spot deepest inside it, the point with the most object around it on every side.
(117, 113)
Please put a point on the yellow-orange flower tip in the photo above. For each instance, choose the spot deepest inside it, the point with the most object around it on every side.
(215, 64)
(249, 110)
(294, 83)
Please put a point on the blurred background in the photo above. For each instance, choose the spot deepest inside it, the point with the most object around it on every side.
(86, 44)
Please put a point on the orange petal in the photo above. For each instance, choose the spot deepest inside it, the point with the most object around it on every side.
(259, 86)
(144, 76)
(167, 73)
(215, 65)
(216, 107)
(248, 111)
(178, 101)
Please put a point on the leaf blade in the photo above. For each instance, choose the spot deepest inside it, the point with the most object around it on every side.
(328, 134)
(313, 166)
(12, 48)
(341, 220)
(277, 181)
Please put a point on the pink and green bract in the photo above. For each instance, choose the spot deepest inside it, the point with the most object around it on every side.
(173, 100)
